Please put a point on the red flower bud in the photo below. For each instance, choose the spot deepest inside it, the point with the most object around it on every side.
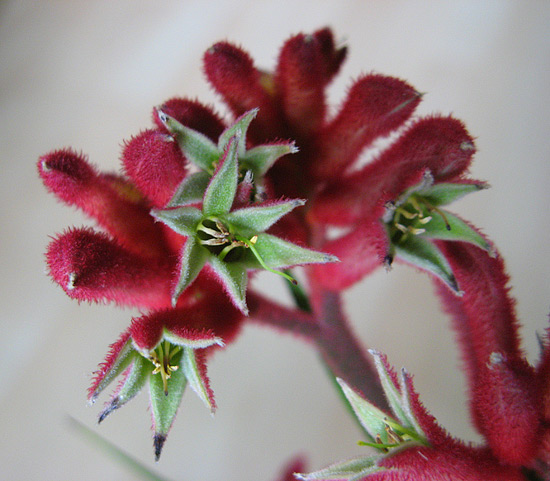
(231, 72)
(457, 462)
(112, 201)
(307, 63)
(375, 106)
(91, 267)
(506, 402)
(154, 162)
(505, 405)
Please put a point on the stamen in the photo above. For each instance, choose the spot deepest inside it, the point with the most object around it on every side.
(161, 359)
(212, 232)
(213, 242)
(405, 213)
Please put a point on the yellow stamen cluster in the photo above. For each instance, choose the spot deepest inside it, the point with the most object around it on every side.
(214, 234)
(161, 358)
(410, 216)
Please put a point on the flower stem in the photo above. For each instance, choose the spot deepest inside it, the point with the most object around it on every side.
(341, 351)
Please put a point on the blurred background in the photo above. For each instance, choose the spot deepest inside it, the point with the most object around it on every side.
(87, 74)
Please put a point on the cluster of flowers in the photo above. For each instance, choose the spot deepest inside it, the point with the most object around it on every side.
(203, 203)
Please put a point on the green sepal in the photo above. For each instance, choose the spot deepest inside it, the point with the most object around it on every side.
(278, 253)
(193, 257)
(351, 469)
(238, 129)
(453, 228)
(399, 399)
(137, 376)
(260, 159)
(182, 220)
(196, 379)
(371, 418)
(122, 361)
(249, 220)
(220, 193)
(191, 190)
(139, 372)
(165, 406)
(196, 147)
(446, 193)
(234, 278)
(424, 254)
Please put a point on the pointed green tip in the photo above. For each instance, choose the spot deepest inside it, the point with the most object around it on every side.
(453, 284)
(162, 116)
(108, 410)
(158, 443)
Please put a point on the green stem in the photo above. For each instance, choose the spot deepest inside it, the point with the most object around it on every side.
(300, 297)
(334, 352)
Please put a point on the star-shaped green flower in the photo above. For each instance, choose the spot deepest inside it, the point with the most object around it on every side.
(205, 154)
(232, 241)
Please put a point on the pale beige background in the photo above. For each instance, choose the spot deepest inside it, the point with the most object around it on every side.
(86, 74)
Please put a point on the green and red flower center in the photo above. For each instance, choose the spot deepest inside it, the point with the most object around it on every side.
(163, 359)
(218, 237)
(411, 218)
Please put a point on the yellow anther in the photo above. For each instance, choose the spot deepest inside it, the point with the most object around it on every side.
(161, 361)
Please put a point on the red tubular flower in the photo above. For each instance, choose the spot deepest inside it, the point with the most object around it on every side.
(232, 73)
(394, 203)
(166, 350)
(376, 105)
(382, 206)
(90, 266)
(113, 202)
(155, 164)
(307, 64)
(506, 402)
(441, 145)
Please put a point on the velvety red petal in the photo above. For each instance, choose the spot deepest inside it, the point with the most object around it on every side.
(375, 106)
(360, 251)
(484, 316)
(506, 409)
(307, 63)
(90, 266)
(506, 402)
(153, 160)
(112, 202)
(231, 71)
(455, 463)
(441, 145)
